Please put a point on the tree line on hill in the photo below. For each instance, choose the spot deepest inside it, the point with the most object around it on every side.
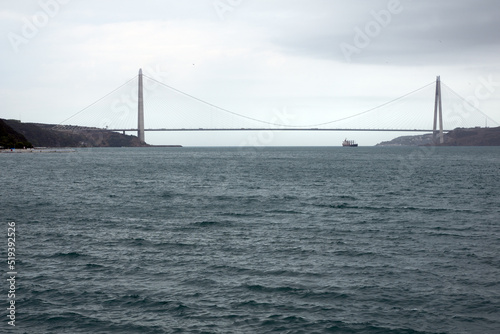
(9, 138)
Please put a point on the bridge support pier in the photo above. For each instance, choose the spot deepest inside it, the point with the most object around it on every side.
(140, 109)
(438, 106)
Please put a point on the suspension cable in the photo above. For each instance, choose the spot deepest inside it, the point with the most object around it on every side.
(102, 98)
(470, 104)
(287, 125)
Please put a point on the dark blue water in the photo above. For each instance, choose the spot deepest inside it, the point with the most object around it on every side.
(257, 240)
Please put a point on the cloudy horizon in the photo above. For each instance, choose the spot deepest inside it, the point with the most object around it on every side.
(321, 60)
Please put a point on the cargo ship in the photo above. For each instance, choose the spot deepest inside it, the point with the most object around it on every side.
(350, 143)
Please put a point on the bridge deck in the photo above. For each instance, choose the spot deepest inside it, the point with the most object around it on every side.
(276, 129)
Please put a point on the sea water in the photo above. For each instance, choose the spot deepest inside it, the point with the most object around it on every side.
(254, 240)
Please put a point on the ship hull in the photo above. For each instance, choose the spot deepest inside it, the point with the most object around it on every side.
(349, 143)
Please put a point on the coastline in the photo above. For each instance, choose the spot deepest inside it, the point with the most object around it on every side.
(37, 150)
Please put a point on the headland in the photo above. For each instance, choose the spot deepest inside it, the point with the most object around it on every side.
(458, 137)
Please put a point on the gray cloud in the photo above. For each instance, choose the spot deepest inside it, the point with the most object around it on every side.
(425, 32)
(273, 51)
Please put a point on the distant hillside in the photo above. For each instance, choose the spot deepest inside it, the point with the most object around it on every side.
(473, 137)
(48, 135)
(10, 138)
(457, 137)
(418, 140)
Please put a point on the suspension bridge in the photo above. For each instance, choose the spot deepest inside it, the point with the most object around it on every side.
(123, 110)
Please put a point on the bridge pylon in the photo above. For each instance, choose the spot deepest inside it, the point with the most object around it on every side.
(140, 110)
(438, 106)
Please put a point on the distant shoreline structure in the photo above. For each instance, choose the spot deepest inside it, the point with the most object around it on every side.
(37, 150)
(61, 149)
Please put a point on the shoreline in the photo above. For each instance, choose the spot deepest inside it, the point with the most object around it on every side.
(37, 150)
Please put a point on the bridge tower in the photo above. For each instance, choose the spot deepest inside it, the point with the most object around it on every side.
(140, 110)
(438, 106)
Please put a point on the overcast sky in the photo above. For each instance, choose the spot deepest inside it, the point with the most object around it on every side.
(313, 61)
